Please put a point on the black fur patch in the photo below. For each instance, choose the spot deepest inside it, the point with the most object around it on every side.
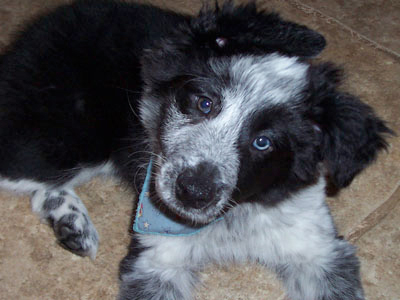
(352, 134)
(53, 203)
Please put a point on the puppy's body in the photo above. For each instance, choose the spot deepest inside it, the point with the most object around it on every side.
(238, 123)
(76, 73)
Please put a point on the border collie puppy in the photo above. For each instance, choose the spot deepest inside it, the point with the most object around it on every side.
(240, 127)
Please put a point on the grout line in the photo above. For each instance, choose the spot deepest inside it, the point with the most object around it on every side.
(282, 297)
(310, 10)
(375, 217)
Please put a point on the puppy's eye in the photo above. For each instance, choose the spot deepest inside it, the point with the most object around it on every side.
(262, 143)
(204, 105)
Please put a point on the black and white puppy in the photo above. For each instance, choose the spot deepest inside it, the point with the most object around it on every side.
(238, 121)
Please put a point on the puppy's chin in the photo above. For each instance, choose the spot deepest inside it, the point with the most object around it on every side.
(197, 216)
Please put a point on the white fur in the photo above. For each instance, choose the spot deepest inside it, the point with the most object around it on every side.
(29, 186)
(21, 185)
(106, 169)
(267, 80)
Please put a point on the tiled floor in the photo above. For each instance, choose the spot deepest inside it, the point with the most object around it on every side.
(376, 20)
(380, 256)
(364, 37)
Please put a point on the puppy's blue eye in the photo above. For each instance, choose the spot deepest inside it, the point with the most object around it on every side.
(262, 143)
(204, 105)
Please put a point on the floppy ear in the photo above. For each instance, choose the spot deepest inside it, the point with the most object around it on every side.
(352, 134)
(229, 30)
(244, 29)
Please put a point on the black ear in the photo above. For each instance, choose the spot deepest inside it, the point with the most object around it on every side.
(244, 29)
(352, 134)
(225, 31)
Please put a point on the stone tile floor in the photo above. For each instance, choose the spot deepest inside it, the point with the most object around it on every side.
(364, 37)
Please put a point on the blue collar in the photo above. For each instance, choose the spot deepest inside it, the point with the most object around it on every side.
(151, 220)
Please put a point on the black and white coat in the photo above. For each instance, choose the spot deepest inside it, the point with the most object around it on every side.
(238, 121)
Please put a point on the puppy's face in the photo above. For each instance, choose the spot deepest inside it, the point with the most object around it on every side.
(233, 113)
(228, 130)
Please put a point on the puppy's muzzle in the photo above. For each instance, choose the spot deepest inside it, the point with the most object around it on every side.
(197, 187)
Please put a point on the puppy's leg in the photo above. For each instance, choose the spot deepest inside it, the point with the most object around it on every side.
(61, 208)
(68, 216)
(312, 261)
(157, 268)
(332, 277)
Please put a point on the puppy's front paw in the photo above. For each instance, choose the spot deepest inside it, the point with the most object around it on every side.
(76, 233)
(65, 212)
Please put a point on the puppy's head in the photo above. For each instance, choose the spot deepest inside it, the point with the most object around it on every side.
(255, 124)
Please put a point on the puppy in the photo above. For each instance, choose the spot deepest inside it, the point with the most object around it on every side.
(240, 128)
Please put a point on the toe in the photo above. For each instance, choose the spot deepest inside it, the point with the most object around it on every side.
(81, 239)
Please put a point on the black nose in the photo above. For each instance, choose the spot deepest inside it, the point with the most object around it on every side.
(196, 187)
